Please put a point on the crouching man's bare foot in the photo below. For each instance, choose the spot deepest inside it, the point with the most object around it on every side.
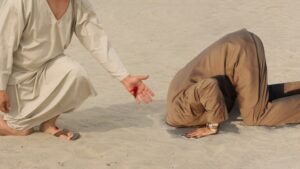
(210, 129)
(5, 130)
(49, 127)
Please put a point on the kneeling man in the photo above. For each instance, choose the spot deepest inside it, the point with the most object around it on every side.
(234, 67)
(38, 82)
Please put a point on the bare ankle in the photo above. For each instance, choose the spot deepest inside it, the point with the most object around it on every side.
(5, 130)
(24, 133)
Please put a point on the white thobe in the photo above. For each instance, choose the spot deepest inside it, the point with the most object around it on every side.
(41, 81)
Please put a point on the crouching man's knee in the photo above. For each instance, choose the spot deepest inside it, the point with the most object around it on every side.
(174, 121)
(181, 121)
(78, 72)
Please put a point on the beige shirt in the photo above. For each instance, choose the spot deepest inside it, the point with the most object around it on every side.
(31, 36)
(205, 89)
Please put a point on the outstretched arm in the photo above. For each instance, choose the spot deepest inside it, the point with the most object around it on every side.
(91, 34)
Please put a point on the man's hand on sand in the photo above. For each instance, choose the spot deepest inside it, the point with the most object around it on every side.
(4, 102)
(201, 132)
(136, 87)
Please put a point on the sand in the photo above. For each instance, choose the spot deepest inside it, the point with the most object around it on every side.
(158, 37)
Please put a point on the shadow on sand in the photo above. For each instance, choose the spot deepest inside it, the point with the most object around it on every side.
(104, 119)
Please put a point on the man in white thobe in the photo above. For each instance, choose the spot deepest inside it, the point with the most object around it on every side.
(38, 82)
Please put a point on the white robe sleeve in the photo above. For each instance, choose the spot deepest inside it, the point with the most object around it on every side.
(11, 28)
(90, 33)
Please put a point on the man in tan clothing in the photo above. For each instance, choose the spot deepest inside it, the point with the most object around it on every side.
(38, 82)
(234, 67)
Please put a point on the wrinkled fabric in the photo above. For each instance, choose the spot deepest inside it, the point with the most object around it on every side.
(40, 79)
(233, 68)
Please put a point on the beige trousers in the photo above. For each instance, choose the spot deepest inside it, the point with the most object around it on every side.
(233, 68)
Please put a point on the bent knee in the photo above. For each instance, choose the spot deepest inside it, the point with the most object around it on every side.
(77, 71)
(176, 121)
(172, 123)
(66, 65)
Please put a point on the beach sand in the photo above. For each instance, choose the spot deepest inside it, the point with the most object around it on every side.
(158, 37)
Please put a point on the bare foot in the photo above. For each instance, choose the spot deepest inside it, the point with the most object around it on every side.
(201, 132)
(5, 130)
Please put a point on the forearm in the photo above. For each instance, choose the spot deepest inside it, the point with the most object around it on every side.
(213, 101)
(93, 37)
(112, 63)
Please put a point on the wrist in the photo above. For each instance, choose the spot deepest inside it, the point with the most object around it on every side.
(212, 126)
(125, 79)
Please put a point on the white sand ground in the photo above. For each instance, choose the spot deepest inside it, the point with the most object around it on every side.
(158, 37)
